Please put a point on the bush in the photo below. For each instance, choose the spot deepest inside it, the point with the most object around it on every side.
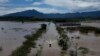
(72, 53)
(84, 50)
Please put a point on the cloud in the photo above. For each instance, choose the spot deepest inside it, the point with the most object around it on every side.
(4, 10)
(74, 5)
(52, 6)
(37, 3)
(4, 1)
(48, 10)
(28, 0)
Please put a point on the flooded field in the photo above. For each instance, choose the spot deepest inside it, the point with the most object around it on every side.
(94, 24)
(89, 41)
(12, 36)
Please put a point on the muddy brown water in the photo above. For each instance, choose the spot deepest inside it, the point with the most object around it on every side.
(89, 41)
(49, 37)
(12, 34)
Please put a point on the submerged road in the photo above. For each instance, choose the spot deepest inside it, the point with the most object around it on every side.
(51, 38)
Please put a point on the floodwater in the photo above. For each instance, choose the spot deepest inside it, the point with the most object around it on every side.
(12, 34)
(86, 40)
(93, 24)
(89, 41)
(49, 37)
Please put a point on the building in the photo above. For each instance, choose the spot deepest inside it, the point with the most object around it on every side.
(68, 24)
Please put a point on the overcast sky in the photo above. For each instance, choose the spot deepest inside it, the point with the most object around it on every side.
(49, 6)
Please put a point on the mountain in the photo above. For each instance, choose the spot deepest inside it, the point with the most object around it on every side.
(36, 14)
(27, 13)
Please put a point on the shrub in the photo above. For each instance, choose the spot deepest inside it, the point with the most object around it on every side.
(84, 50)
(72, 53)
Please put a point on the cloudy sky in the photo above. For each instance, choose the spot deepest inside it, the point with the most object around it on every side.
(49, 6)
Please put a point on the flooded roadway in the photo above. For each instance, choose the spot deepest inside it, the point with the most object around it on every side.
(13, 36)
(49, 37)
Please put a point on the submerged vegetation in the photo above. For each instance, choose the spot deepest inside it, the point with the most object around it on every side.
(63, 42)
(84, 50)
(28, 44)
(72, 53)
(85, 29)
(63, 39)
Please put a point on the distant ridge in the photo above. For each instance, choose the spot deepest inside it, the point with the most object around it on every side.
(27, 13)
(36, 14)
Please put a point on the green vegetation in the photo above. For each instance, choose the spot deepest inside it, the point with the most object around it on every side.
(60, 30)
(72, 53)
(63, 39)
(85, 29)
(84, 50)
(63, 43)
(28, 44)
(20, 18)
(39, 51)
